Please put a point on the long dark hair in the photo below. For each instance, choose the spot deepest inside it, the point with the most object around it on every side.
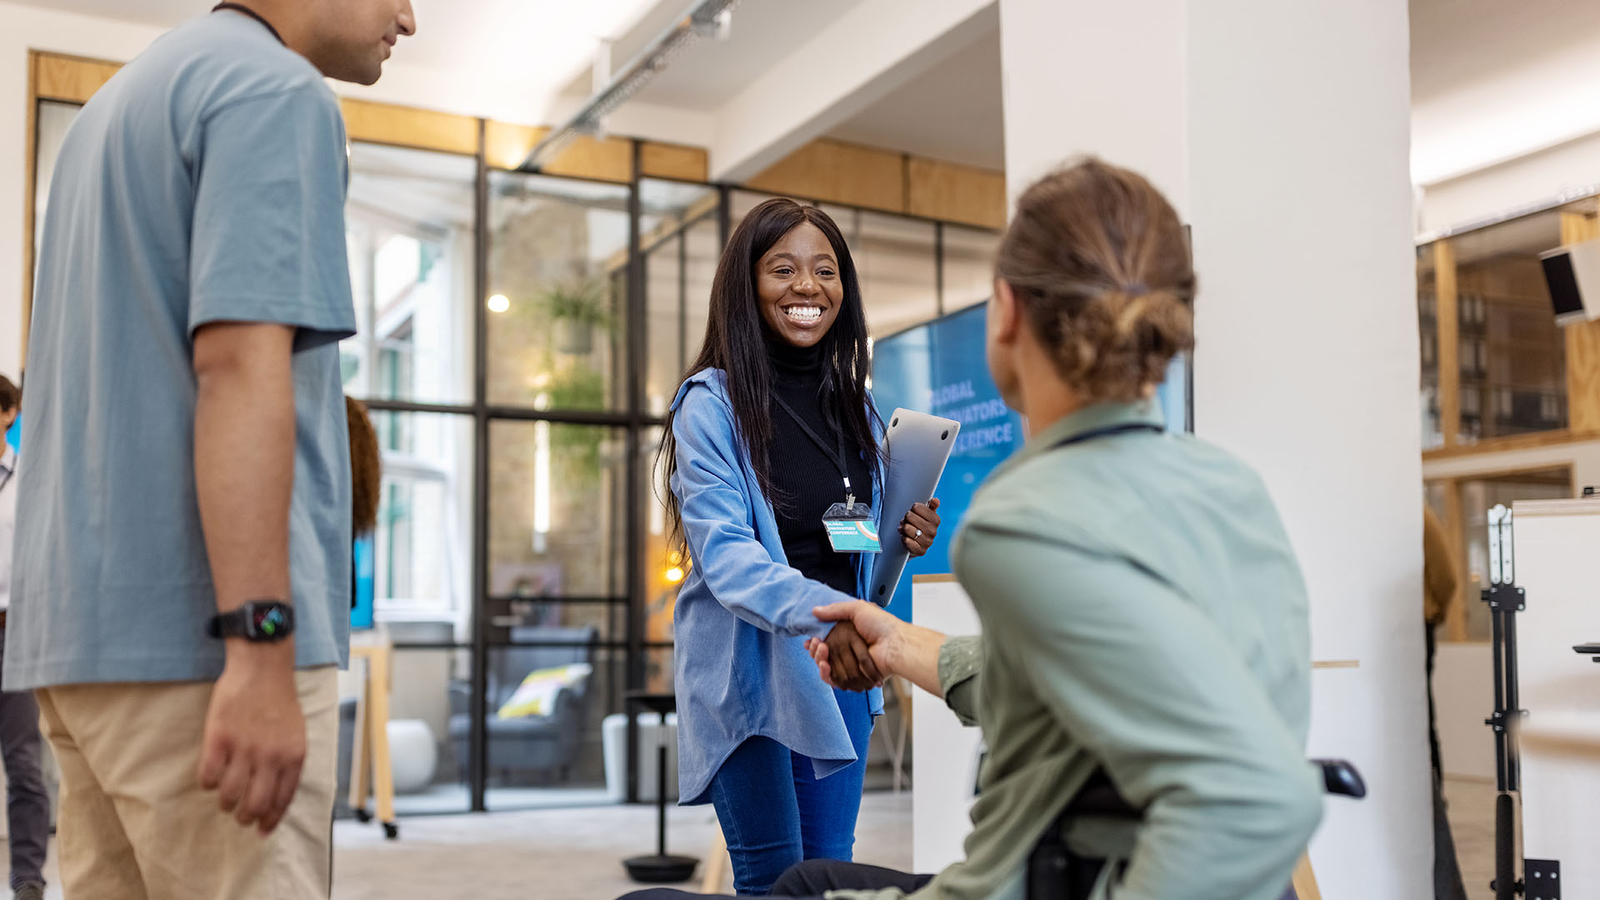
(735, 342)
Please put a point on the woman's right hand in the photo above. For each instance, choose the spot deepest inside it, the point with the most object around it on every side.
(875, 628)
(850, 661)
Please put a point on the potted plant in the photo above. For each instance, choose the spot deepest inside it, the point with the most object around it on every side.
(577, 447)
(576, 308)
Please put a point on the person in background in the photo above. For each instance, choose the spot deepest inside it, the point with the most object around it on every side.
(13, 435)
(772, 431)
(1146, 628)
(179, 600)
(27, 801)
(366, 476)
(1439, 583)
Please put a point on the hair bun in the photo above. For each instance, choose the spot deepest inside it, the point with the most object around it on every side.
(1100, 263)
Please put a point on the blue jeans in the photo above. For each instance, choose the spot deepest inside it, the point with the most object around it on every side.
(776, 813)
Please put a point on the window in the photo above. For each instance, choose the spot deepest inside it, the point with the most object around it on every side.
(558, 256)
(896, 258)
(1510, 354)
(555, 511)
(53, 121)
(968, 255)
(681, 251)
(421, 550)
(409, 230)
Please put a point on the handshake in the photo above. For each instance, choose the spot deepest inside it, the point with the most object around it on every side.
(868, 645)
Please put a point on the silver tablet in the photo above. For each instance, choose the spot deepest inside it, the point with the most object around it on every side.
(918, 446)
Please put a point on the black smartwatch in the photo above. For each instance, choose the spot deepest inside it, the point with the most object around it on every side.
(265, 621)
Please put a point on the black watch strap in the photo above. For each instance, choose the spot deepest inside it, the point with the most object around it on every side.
(261, 621)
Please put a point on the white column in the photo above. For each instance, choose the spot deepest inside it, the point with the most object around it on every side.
(1281, 132)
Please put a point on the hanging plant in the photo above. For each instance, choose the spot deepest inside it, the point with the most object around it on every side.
(577, 308)
(577, 447)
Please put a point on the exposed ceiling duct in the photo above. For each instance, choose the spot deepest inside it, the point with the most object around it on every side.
(705, 18)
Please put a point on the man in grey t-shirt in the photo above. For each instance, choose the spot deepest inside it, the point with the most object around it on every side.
(181, 590)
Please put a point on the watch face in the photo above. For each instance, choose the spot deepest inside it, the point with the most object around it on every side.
(269, 620)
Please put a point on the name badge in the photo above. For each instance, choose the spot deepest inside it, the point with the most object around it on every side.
(851, 528)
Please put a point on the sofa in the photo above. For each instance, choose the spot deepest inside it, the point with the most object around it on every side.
(538, 745)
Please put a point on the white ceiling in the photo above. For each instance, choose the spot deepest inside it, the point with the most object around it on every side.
(953, 113)
(712, 71)
(1461, 42)
(534, 45)
(1495, 80)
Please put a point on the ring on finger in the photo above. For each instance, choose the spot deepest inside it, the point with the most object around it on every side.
(917, 535)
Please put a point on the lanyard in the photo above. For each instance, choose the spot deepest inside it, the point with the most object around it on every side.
(836, 455)
(241, 8)
(1107, 432)
(6, 480)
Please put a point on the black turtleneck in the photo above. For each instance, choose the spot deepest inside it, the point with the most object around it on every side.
(806, 479)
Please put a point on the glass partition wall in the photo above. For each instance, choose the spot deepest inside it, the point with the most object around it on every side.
(1510, 372)
(520, 340)
(1493, 381)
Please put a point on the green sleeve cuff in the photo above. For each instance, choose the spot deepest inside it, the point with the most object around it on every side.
(960, 658)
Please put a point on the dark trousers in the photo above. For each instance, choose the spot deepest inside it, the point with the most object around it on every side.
(27, 801)
(1447, 883)
(813, 879)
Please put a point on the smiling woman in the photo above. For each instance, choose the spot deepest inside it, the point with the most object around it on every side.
(773, 438)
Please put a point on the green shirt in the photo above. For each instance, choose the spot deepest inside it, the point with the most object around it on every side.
(1143, 612)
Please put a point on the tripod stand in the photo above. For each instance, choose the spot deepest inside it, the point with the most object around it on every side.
(1505, 600)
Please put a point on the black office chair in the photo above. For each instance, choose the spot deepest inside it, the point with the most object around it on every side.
(1055, 873)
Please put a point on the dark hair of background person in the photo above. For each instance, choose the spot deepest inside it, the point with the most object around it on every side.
(10, 395)
(366, 466)
(1100, 264)
(735, 342)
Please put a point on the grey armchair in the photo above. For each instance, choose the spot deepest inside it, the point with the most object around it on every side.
(547, 743)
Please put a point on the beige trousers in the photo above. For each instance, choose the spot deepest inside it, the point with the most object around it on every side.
(134, 823)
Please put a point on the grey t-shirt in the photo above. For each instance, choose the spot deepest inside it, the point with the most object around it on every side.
(204, 183)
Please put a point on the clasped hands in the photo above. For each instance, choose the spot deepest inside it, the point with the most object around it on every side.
(860, 652)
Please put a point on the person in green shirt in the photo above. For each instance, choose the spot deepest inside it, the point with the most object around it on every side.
(1144, 617)
(1145, 625)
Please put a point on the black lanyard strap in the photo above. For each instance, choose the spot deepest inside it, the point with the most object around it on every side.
(1107, 432)
(241, 8)
(836, 455)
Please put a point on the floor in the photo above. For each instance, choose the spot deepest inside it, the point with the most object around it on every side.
(554, 854)
(455, 798)
(576, 854)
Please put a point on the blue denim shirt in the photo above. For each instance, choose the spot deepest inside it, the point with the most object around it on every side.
(743, 613)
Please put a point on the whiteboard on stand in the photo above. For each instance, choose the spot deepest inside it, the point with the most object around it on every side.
(1556, 547)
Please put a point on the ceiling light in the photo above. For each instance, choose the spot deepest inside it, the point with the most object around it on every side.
(499, 303)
